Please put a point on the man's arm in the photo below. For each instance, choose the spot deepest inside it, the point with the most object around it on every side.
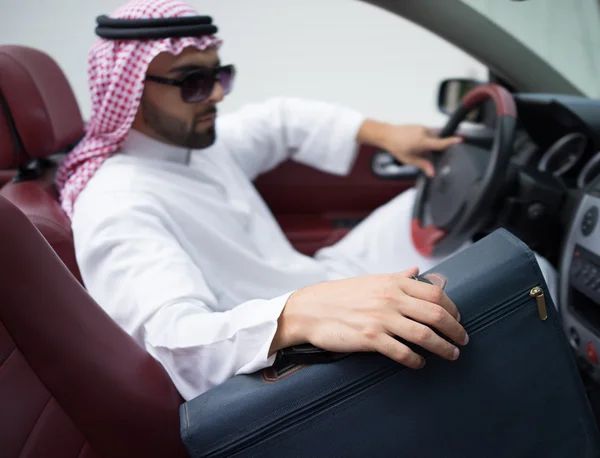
(322, 135)
(135, 268)
(133, 265)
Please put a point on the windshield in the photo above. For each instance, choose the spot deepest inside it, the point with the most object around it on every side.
(565, 33)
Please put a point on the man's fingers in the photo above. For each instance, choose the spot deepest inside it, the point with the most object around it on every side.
(430, 293)
(390, 347)
(440, 144)
(423, 336)
(436, 317)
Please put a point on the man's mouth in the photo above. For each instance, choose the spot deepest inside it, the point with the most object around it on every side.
(207, 118)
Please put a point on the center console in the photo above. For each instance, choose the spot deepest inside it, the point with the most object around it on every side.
(580, 281)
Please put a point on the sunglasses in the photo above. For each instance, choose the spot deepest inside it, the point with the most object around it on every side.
(197, 85)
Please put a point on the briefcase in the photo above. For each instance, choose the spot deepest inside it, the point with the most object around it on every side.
(514, 392)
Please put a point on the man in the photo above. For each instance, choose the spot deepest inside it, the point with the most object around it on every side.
(175, 243)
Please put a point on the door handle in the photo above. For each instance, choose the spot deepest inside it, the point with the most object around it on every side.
(384, 165)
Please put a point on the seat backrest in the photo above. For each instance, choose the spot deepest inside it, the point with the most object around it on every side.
(72, 383)
(41, 118)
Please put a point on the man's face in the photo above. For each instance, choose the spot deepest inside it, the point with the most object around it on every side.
(165, 116)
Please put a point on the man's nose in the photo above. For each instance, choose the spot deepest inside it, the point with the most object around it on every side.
(217, 93)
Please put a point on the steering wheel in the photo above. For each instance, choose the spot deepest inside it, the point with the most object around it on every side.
(453, 205)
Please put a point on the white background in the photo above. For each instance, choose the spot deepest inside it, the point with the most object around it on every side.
(342, 51)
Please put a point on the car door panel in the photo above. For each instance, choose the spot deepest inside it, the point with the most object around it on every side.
(316, 209)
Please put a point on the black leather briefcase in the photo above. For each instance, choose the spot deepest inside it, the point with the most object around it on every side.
(514, 392)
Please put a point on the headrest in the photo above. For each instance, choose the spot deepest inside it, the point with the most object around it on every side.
(40, 103)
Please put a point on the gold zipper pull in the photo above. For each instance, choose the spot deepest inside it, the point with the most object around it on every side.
(538, 293)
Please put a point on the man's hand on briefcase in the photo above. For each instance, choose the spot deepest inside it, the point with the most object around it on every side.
(363, 314)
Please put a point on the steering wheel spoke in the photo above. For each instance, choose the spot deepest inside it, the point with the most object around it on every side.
(427, 237)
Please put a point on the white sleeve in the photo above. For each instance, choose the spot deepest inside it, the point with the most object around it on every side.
(322, 135)
(135, 268)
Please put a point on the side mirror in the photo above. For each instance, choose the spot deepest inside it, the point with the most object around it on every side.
(451, 93)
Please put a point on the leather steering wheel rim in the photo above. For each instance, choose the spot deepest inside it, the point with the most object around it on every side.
(433, 241)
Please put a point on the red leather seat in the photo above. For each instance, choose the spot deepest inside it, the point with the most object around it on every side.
(41, 118)
(72, 383)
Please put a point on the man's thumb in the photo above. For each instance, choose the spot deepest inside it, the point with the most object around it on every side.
(410, 272)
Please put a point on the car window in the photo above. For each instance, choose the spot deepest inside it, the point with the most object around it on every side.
(565, 33)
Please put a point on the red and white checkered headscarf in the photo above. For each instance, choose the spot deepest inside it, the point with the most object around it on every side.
(116, 71)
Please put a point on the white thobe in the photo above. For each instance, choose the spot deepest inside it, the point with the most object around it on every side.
(182, 252)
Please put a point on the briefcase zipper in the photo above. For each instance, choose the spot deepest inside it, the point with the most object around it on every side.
(540, 300)
(473, 326)
(506, 308)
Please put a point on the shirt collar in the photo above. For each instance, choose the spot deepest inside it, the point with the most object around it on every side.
(141, 145)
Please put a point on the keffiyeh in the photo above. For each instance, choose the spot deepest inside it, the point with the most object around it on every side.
(116, 72)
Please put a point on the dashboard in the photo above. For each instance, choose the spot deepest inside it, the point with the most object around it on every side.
(579, 296)
(556, 154)
(559, 136)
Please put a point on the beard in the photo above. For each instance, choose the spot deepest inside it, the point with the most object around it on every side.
(177, 131)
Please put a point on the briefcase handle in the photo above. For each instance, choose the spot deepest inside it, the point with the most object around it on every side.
(309, 354)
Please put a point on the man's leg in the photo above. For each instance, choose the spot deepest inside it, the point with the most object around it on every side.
(382, 243)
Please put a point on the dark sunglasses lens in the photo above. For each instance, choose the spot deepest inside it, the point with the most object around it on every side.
(226, 78)
(197, 87)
